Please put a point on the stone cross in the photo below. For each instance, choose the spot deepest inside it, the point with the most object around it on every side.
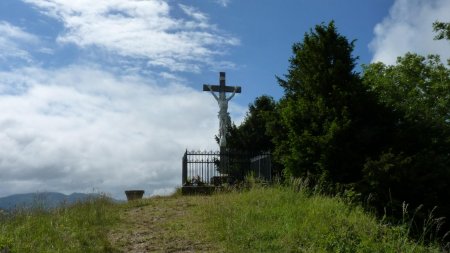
(222, 100)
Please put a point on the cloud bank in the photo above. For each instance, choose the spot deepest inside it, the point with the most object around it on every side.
(80, 128)
(408, 28)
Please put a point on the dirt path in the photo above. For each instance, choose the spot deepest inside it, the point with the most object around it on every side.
(159, 225)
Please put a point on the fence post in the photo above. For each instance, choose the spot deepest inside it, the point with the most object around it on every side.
(184, 170)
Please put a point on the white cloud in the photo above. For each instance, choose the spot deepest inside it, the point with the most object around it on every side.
(12, 42)
(224, 3)
(81, 128)
(408, 28)
(140, 29)
(195, 14)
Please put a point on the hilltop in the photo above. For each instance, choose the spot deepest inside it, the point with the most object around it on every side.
(261, 219)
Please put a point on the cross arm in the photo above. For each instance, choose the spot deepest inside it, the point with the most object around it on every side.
(217, 88)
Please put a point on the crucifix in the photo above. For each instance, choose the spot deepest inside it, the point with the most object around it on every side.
(222, 100)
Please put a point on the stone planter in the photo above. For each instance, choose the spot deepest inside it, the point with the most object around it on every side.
(134, 194)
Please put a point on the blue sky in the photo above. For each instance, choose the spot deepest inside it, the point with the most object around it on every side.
(106, 94)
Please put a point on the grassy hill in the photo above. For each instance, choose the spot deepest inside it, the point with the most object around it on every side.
(263, 219)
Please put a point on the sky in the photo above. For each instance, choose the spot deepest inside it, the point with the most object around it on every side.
(106, 96)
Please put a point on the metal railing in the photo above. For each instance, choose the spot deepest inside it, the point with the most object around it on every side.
(216, 168)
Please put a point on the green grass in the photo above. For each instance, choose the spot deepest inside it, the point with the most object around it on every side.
(262, 219)
(76, 228)
(279, 219)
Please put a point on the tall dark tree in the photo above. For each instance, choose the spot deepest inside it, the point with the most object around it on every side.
(330, 119)
(252, 135)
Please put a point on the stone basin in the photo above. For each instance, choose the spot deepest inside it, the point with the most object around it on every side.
(134, 194)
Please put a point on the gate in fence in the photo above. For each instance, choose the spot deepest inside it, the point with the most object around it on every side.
(216, 168)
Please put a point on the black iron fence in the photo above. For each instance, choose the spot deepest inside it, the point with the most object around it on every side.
(216, 168)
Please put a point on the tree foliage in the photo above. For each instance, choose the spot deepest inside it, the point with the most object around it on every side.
(326, 110)
(416, 166)
(417, 86)
(252, 134)
(442, 29)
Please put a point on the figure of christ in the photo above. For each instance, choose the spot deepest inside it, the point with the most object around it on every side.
(224, 116)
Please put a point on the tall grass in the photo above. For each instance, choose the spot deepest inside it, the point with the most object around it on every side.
(76, 228)
(292, 219)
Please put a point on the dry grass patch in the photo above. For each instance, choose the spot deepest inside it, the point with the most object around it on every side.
(159, 224)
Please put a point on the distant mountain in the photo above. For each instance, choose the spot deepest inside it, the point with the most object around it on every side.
(44, 200)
